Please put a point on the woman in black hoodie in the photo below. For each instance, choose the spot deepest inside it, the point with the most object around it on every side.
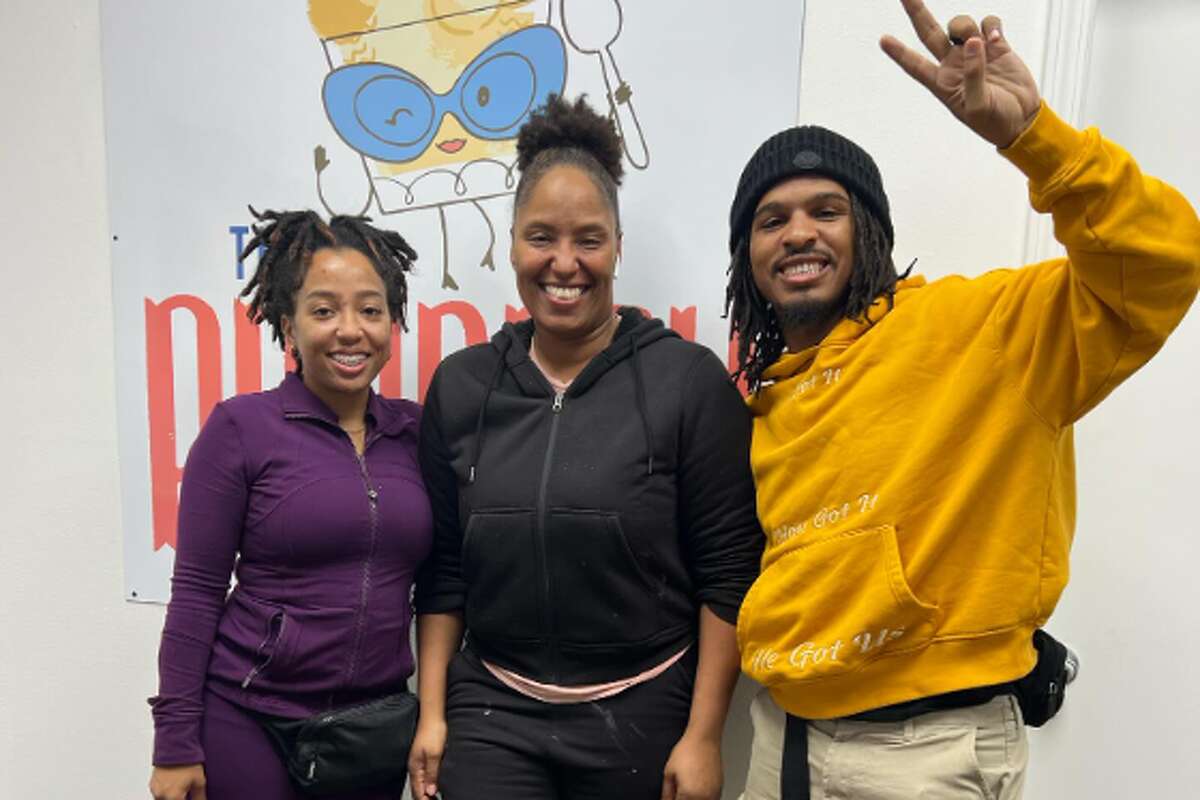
(595, 527)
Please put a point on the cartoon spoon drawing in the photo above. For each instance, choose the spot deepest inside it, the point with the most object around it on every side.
(591, 26)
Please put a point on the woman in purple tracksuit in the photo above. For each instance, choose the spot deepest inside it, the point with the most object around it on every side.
(311, 496)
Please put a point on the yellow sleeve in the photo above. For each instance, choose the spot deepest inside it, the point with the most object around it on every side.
(1074, 328)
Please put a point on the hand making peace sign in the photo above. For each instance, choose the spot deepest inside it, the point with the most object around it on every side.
(978, 76)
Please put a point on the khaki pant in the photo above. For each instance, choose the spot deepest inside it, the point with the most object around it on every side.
(977, 752)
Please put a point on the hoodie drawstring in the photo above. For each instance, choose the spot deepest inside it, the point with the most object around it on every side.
(491, 386)
(641, 404)
(494, 380)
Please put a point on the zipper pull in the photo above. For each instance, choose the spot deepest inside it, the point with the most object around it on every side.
(558, 402)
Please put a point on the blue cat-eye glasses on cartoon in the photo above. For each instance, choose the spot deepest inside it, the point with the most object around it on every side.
(389, 114)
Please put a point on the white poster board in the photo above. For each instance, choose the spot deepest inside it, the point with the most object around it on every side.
(404, 110)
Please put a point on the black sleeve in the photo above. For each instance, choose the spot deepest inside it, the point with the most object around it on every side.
(722, 540)
(440, 586)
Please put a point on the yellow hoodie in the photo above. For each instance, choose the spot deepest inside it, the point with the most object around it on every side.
(916, 478)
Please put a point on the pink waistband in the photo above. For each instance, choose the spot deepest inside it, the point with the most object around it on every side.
(550, 693)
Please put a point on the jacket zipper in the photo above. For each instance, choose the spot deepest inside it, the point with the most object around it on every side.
(373, 505)
(542, 512)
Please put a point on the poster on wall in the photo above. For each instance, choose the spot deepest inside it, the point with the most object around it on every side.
(406, 111)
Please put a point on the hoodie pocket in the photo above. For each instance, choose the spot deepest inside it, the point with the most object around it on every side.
(600, 592)
(831, 607)
(498, 565)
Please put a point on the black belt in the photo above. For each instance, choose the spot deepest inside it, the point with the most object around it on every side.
(793, 773)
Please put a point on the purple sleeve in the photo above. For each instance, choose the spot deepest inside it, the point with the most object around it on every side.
(212, 509)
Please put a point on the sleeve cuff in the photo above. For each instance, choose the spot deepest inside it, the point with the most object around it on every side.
(177, 745)
(725, 611)
(1046, 148)
(440, 603)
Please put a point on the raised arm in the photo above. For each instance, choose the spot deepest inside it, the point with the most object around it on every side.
(1067, 330)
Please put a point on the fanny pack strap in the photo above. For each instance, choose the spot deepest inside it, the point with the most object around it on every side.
(793, 772)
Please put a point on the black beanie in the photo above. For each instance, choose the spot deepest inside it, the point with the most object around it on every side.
(807, 150)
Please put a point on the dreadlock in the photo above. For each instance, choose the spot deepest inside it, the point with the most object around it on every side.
(760, 339)
(290, 238)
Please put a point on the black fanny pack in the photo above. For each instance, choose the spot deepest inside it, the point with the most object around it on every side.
(359, 747)
(1040, 694)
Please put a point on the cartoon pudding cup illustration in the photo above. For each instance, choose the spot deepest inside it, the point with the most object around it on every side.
(429, 95)
(390, 114)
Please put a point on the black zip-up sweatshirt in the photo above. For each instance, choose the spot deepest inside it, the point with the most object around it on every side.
(580, 533)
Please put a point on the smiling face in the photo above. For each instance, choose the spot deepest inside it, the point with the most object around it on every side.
(565, 244)
(801, 255)
(341, 326)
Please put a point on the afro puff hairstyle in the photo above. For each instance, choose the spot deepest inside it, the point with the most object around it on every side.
(574, 134)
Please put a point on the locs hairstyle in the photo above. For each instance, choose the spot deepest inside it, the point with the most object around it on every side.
(573, 134)
(289, 239)
(760, 339)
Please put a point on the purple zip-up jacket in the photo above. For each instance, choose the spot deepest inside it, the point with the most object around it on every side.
(325, 545)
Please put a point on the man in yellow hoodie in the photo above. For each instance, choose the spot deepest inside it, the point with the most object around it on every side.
(912, 442)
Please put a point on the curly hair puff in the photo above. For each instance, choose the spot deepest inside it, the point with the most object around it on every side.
(574, 134)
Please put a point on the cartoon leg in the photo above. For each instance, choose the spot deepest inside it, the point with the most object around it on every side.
(487, 257)
(447, 281)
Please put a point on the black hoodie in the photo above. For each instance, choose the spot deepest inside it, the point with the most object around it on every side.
(581, 532)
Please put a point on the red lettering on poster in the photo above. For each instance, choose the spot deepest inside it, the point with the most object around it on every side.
(165, 470)
(390, 376)
(247, 341)
(429, 335)
(683, 322)
(731, 363)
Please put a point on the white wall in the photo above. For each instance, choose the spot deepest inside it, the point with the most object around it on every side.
(1129, 726)
(76, 661)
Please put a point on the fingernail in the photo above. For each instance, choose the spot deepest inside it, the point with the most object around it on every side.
(994, 35)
